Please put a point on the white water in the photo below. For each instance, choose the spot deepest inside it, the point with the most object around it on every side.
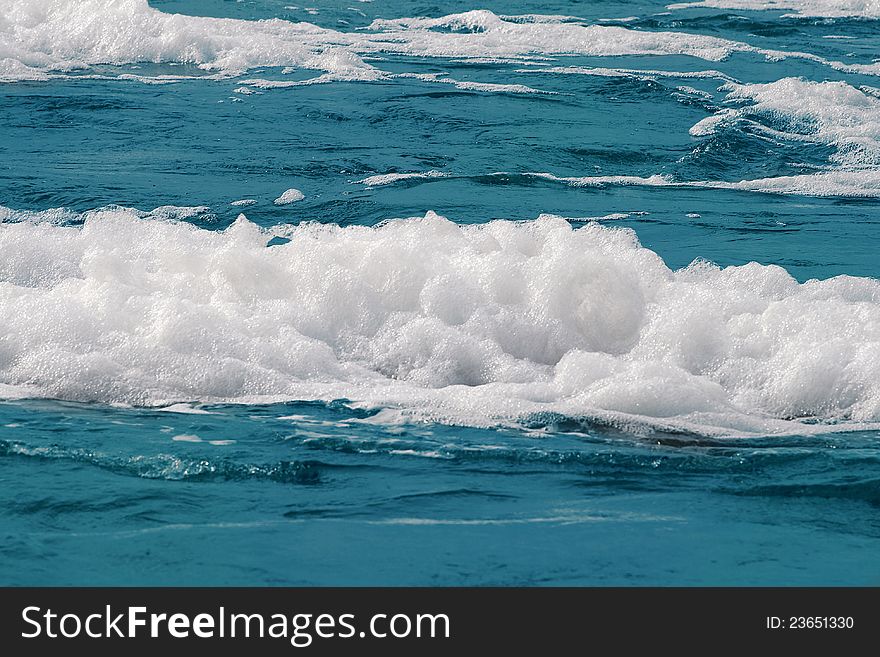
(811, 8)
(289, 196)
(471, 324)
(388, 178)
(44, 38)
(832, 114)
(38, 37)
(791, 110)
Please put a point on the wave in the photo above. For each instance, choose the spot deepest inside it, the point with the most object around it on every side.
(479, 325)
(638, 74)
(796, 113)
(389, 178)
(173, 468)
(791, 111)
(833, 115)
(41, 39)
(806, 8)
(843, 184)
(842, 121)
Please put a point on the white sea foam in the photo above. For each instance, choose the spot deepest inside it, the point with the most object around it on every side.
(185, 409)
(261, 83)
(854, 184)
(179, 211)
(832, 114)
(289, 196)
(42, 36)
(639, 74)
(811, 8)
(66, 216)
(467, 85)
(471, 324)
(45, 38)
(613, 216)
(389, 178)
(480, 34)
(187, 438)
(657, 180)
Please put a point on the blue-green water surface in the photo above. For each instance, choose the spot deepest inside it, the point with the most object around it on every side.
(314, 493)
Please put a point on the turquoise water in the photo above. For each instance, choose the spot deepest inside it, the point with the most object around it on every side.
(189, 398)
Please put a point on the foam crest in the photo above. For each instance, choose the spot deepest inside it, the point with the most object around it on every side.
(45, 36)
(808, 8)
(481, 33)
(479, 325)
(40, 39)
(833, 114)
(389, 178)
(637, 74)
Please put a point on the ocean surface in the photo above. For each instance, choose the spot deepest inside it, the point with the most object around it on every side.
(401, 293)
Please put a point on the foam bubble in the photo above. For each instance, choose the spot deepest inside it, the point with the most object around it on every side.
(833, 114)
(389, 178)
(467, 85)
(481, 33)
(185, 409)
(479, 324)
(639, 74)
(40, 39)
(187, 438)
(656, 180)
(289, 196)
(809, 8)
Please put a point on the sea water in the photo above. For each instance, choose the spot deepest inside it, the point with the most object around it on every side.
(569, 293)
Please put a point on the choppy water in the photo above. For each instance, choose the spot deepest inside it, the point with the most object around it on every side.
(388, 293)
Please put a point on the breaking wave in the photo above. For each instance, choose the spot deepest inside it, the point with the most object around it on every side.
(479, 325)
(49, 38)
